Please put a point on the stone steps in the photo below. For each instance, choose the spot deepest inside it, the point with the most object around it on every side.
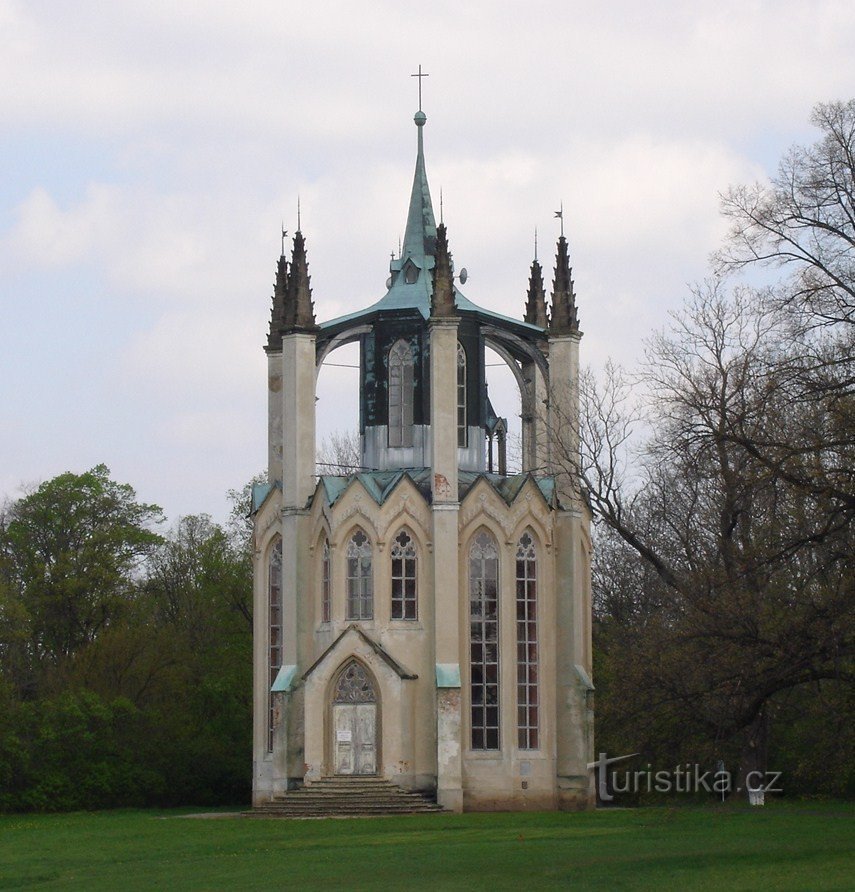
(344, 796)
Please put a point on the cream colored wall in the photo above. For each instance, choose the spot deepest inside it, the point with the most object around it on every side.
(494, 779)
(408, 642)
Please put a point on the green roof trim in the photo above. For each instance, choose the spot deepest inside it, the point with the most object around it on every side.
(447, 675)
(380, 484)
(284, 679)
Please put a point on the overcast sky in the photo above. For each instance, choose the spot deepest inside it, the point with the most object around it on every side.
(150, 150)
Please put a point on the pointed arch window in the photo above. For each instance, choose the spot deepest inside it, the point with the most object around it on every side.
(484, 641)
(360, 592)
(404, 577)
(462, 432)
(326, 591)
(401, 387)
(527, 644)
(274, 630)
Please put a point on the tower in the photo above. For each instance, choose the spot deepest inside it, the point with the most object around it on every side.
(425, 619)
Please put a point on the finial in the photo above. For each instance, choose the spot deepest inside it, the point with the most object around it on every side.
(299, 228)
(420, 76)
(560, 215)
(440, 205)
(535, 243)
(399, 246)
(284, 236)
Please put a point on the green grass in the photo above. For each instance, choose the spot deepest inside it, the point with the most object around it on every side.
(781, 846)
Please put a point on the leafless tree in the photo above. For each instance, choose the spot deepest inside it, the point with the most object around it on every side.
(753, 591)
(340, 454)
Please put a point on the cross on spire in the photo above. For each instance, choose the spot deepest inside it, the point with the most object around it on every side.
(420, 76)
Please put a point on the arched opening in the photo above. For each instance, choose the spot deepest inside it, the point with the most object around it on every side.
(355, 724)
(337, 444)
(504, 414)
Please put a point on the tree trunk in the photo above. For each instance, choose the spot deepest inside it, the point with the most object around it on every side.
(751, 777)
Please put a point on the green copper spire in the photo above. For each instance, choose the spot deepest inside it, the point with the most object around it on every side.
(420, 235)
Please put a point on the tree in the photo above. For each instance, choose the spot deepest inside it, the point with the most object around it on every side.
(340, 454)
(803, 221)
(753, 592)
(722, 474)
(70, 549)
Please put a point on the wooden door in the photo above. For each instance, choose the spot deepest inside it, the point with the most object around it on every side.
(354, 722)
(355, 744)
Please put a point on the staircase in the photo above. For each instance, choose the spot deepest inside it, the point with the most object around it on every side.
(346, 797)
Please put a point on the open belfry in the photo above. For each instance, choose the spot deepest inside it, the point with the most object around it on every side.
(424, 624)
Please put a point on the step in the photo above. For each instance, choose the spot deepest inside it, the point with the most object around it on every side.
(348, 796)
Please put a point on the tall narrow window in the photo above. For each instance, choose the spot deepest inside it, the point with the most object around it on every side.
(360, 593)
(527, 656)
(484, 641)
(462, 432)
(401, 394)
(404, 598)
(274, 630)
(326, 594)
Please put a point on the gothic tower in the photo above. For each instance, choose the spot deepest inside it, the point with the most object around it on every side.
(427, 619)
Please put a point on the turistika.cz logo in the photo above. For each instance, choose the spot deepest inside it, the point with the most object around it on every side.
(689, 779)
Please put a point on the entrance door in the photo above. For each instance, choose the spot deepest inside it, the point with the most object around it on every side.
(354, 722)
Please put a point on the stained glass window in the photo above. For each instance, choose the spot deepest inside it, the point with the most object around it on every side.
(360, 592)
(274, 629)
(484, 641)
(401, 394)
(527, 647)
(462, 433)
(404, 579)
(326, 594)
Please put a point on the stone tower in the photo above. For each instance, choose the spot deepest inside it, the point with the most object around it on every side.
(425, 619)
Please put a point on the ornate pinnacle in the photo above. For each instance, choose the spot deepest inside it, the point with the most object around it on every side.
(277, 312)
(299, 310)
(535, 306)
(563, 319)
(442, 296)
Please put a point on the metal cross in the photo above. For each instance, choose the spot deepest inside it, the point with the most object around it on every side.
(420, 76)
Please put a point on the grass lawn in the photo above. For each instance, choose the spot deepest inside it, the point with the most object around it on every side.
(781, 846)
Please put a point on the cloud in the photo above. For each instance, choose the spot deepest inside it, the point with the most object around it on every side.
(155, 148)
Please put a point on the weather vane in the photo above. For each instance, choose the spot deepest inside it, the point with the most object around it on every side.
(420, 76)
(560, 215)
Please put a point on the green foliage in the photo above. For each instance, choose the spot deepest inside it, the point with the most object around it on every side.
(70, 549)
(125, 656)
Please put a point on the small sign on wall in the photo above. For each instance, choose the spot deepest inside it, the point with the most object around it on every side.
(345, 736)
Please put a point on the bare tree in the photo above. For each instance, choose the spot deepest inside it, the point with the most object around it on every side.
(754, 590)
(804, 220)
(340, 454)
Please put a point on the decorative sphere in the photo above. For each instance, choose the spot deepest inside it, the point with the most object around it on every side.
(420, 117)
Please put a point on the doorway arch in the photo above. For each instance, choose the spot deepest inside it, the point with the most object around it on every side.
(355, 721)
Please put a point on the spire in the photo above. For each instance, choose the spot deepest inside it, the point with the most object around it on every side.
(442, 295)
(277, 312)
(535, 306)
(564, 319)
(420, 235)
(299, 312)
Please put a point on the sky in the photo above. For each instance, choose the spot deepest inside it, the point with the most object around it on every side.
(150, 152)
